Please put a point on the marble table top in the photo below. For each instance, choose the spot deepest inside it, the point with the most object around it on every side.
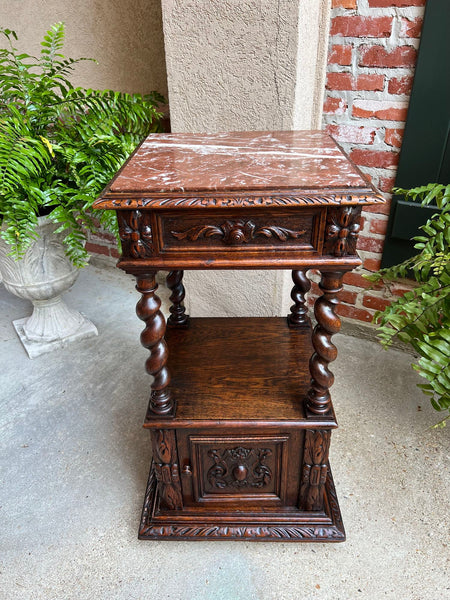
(170, 168)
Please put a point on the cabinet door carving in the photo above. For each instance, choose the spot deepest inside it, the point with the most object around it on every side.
(219, 468)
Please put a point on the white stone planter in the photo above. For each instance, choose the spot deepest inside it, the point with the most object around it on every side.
(42, 275)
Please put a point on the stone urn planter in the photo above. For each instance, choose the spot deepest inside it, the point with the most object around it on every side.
(42, 276)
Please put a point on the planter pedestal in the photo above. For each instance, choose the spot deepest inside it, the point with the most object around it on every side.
(36, 347)
(42, 276)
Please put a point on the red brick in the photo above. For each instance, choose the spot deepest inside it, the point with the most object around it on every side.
(102, 236)
(375, 302)
(378, 226)
(347, 296)
(114, 253)
(340, 55)
(357, 26)
(351, 312)
(386, 184)
(336, 106)
(379, 109)
(97, 249)
(370, 244)
(374, 158)
(411, 28)
(345, 81)
(343, 4)
(357, 280)
(400, 85)
(339, 81)
(388, 3)
(352, 134)
(398, 290)
(378, 56)
(379, 209)
(370, 83)
(394, 137)
(372, 264)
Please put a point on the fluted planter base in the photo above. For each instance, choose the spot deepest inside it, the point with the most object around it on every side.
(42, 275)
(35, 348)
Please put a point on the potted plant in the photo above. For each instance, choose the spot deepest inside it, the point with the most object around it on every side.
(421, 317)
(59, 147)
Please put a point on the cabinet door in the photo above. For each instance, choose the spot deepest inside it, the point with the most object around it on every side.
(260, 469)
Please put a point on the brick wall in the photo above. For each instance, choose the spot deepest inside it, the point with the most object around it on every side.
(372, 54)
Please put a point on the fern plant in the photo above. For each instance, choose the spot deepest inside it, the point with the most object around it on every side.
(59, 144)
(421, 317)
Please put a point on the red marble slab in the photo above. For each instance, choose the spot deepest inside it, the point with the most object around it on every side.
(175, 166)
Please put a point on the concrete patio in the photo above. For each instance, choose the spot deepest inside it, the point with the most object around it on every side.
(74, 463)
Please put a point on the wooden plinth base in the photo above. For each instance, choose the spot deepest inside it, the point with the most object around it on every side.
(241, 460)
(295, 526)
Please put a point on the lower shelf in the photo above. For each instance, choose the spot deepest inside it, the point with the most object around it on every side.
(285, 526)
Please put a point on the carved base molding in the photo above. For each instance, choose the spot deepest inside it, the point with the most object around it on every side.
(298, 526)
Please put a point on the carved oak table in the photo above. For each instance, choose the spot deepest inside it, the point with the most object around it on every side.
(240, 413)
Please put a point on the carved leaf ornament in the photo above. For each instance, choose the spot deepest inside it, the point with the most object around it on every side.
(342, 230)
(137, 233)
(237, 232)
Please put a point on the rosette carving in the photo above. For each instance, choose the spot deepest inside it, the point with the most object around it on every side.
(342, 230)
(135, 234)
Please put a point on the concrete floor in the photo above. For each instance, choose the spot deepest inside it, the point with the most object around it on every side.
(74, 463)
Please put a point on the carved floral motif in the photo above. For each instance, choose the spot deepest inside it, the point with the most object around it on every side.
(136, 234)
(166, 468)
(342, 230)
(239, 467)
(237, 232)
(315, 469)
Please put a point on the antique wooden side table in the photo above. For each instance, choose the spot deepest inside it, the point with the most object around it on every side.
(240, 413)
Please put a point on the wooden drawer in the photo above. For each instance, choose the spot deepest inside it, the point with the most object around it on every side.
(218, 231)
(223, 469)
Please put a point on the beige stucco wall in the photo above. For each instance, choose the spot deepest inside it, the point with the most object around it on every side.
(124, 36)
(244, 65)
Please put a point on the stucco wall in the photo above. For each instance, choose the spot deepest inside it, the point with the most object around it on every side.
(124, 36)
(244, 65)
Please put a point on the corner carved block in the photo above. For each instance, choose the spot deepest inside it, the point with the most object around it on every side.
(237, 232)
(342, 229)
(315, 469)
(135, 233)
(166, 468)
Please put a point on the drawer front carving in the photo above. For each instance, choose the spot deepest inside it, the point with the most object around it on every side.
(205, 231)
(227, 469)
